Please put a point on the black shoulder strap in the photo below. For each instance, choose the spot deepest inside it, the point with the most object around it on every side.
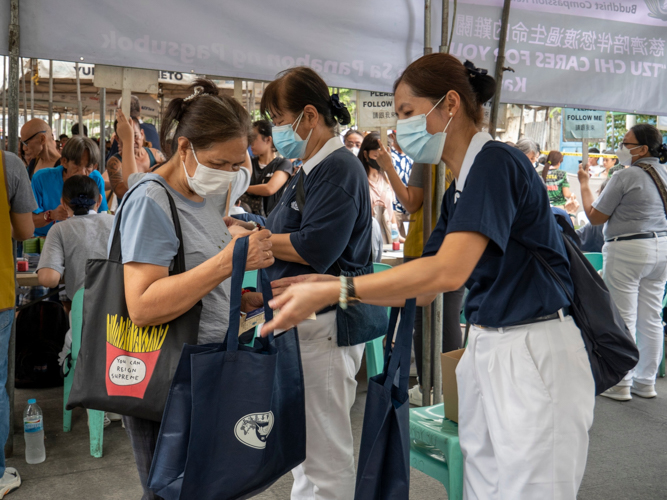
(658, 182)
(115, 254)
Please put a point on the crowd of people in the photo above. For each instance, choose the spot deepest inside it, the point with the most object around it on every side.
(318, 205)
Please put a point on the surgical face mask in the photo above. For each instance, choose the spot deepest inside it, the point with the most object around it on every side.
(287, 141)
(208, 181)
(417, 143)
(624, 155)
(355, 151)
(373, 163)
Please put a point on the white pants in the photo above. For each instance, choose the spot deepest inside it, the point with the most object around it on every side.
(526, 400)
(635, 272)
(329, 375)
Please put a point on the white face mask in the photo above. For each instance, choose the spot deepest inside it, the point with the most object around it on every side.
(624, 155)
(355, 151)
(208, 181)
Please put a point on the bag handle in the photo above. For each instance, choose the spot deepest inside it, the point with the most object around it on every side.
(116, 254)
(650, 170)
(239, 260)
(398, 356)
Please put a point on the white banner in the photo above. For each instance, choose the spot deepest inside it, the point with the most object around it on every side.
(583, 53)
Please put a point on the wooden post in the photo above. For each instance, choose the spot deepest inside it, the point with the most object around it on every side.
(51, 94)
(78, 99)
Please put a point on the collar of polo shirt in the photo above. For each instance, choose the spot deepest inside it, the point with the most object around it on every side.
(329, 147)
(476, 144)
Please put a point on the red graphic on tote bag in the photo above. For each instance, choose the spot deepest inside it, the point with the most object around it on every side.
(132, 353)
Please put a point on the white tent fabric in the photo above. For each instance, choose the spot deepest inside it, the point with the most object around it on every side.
(599, 55)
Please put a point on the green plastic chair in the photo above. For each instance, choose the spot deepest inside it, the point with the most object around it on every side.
(435, 449)
(250, 279)
(374, 348)
(595, 258)
(95, 417)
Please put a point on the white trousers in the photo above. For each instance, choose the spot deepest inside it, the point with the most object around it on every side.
(635, 272)
(526, 400)
(329, 375)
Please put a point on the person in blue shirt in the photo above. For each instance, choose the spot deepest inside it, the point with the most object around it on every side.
(326, 229)
(80, 156)
(525, 386)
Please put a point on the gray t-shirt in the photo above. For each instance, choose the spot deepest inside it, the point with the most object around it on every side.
(239, 186)
(71, 243)
(21, 197)
(417, 175)
(148, 236)
(633, 202)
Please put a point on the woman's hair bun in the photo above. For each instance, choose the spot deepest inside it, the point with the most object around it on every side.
(339, 110)
(662, 153)
(483, 85)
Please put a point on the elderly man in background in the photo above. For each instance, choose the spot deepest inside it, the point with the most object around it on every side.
(530, 148)
(80, 157)
(39, 146)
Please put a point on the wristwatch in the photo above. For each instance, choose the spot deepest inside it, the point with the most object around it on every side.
(351, 292)
(47, 216)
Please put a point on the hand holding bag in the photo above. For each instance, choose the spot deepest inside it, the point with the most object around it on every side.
(235, 420)
(384, 456)
(123, 368)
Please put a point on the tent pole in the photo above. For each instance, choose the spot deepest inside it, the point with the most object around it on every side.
(445, 27)
(500, 62)
(103, 131)
(51, 93)
(25, 94)
(13, 87)
(14, 39)
(78, 98)
(427, 380)
(4, 102)
(427, 27)
(32, 89)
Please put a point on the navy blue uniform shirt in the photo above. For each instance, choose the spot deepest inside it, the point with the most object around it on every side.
(504, 199)
(335, 225)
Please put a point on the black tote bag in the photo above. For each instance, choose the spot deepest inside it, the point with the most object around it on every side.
(384, 456)
(235, 420)
(123, 368)
(611, 349)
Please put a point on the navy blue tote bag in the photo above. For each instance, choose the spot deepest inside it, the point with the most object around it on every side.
(384, 457)
(235, 419)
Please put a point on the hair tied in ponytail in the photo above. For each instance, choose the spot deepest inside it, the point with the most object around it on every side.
(172, 130)
(474, 71)
(339, 110)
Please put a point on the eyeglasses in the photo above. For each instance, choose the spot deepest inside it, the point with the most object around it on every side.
(25, 143)
(626, 144)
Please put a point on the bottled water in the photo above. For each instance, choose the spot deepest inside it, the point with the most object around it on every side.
(394, 232)
(33, 431)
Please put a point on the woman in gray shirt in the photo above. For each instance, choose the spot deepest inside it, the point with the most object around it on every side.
(635, 250)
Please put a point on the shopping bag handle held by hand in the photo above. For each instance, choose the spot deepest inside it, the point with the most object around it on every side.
(238, 271)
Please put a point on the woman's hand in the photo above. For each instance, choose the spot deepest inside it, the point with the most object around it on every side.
(384, 158)
(572, 205)
(124, 128)
(278, 287)
(260, 255)
(251, 301)
(299, 302)
(583, 174)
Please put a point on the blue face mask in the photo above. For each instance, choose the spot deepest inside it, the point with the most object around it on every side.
(415, 140)
(287, 141)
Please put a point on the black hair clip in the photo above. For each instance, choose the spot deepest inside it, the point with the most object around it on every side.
(335, 102)
(81, 201)
(473, 71)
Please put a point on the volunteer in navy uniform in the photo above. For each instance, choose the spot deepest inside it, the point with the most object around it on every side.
(526, 391)
(331, 233)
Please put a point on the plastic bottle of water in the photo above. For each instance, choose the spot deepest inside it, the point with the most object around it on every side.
(394, 232)
(33, 431)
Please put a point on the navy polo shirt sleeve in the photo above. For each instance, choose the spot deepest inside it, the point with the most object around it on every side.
(490, 199)
(327, 222)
